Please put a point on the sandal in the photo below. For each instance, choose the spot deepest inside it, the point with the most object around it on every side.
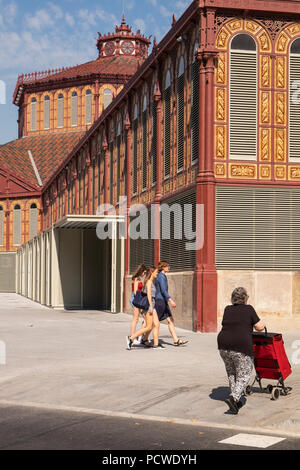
(180, 342)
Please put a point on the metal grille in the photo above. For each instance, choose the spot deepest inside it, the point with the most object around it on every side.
(145, 150)
(47, 112)
(180, 123)
(17, 226)
(135, 151)
(74, 109)
(118, 166)
(243, 105)
(33, 115)
(167, 131)
(141, 250)
(257, 228)
(32, 221)
(154, 137)
(111, 172)
(60, 111)
(294, 129)
(88, 107)
(195, 111)
(182, 223)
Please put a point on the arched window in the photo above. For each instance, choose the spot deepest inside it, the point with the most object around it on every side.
(294, 113)
(1, 226)
(17, 221)
(195, 106)
(167, 124)
(107, 98)
(243, 98)
(32, 221)
(88, 107)
(135, 149)
(47, 112)
(154, 136)
(74, 109)
(60, 110)
(145, 143)
(33, 111)
(180, 115)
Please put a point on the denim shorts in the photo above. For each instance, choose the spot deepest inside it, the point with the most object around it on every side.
(131, 299)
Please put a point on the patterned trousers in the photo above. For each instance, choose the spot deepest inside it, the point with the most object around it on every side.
(239, 368)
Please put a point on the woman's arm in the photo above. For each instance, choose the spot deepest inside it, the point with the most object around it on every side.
(135, 285)
(259, 326)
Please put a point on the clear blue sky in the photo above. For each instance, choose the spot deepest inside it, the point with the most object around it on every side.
(38, 35)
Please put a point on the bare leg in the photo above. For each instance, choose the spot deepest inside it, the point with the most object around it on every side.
(135, 319)
(156, 325)
(147, 329)
(171, 326)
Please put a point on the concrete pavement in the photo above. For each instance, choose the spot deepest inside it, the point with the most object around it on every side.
(77, 360)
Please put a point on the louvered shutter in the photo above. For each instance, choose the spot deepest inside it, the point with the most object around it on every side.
(47, 113)
(74, 109)
(154, 137)
(33, 110)
(118, 166)
(88, 107)
(60, 111)
(182, 224)
(294, 140)
(107, 98)
(145, 149)
(243, 105)
(125, 165)
(257, 228)
(32, 222)
(195, 111)
(1, 226)
(17, 226)
(135, 156)
(142, 250)
(180, 122)
(111, 172)
(167, 131)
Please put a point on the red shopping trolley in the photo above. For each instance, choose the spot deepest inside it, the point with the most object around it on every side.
(270, 362)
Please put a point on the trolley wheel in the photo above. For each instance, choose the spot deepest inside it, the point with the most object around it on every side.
(248, 390)
(275, 394)
(269, 388)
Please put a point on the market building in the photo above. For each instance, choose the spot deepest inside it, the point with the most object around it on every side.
(210, 118)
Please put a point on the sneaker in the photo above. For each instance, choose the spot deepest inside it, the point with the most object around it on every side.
(129, 342)
(159, 346)
(232, 404)
(136, 342)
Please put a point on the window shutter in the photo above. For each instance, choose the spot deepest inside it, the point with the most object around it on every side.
(142, 250)
(47, 113)
(180, 122)
(195, 111)
(17, 226)
(257, 228)
(173, 249)
(111, 172)
(167, 131)
(107, 98)
(145, 149)
(1, 226)
(294, 139)
(118, 166)
(135, 150)
(154, 137)
(60, 111)
(33, 115)
(243, 105)
(32, 222)
(74, 111)
(125, 164)
(88, 107)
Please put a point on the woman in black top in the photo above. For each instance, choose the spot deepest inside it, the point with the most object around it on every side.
(235, 344)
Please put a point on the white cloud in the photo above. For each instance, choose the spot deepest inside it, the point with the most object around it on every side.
(69, 19)
(140, 24)
(166, 13)
(42, 19)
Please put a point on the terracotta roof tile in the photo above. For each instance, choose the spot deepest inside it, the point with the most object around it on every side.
(48, 152)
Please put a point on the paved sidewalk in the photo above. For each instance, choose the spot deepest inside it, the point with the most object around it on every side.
(78, 360)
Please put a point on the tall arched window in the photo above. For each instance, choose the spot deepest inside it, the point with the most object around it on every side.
(135, 149)
(167, 124)
(243, 98)
(17, 221)
(32, 221)
(1, 226)
(180, 115)
(74, 109)
(195, 106)
(145, 143)
(88, 107)
(60, 110)
(33, 111)
(47, 112)
(294, 108)
(107, 98)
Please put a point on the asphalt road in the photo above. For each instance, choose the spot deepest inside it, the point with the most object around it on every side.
(26, 428)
